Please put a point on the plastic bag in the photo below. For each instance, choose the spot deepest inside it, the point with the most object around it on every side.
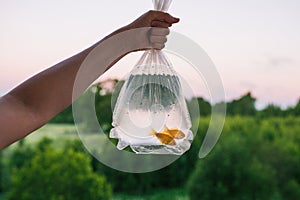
(151, 114)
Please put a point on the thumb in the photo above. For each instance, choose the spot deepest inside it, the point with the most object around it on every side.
(171, 20)
(166, 17)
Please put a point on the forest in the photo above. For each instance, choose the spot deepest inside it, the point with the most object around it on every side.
(256, 157)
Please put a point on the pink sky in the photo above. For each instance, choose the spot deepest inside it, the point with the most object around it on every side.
(254, 44)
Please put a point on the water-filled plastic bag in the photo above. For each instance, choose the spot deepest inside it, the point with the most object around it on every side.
(151, 114)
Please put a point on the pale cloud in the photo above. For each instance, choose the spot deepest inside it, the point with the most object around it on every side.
(279, 61)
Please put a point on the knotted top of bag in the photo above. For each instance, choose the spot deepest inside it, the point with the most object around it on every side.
(162, 5)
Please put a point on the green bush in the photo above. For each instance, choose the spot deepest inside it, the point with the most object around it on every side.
(231, 172)
(57, 174)
(21, 155)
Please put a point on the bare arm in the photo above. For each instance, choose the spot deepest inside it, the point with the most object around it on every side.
(34, 102)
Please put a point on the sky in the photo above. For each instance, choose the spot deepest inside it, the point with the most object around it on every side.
(254, 44)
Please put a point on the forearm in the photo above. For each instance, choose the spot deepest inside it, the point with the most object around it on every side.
(34, 102)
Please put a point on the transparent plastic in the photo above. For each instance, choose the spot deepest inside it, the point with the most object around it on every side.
(151, 114)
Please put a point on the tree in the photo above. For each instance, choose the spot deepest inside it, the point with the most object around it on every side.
(54, 174)
(104, 111)
(297, 109)
(230, 172)
(204, 107)
(243, 106)
(271, 111)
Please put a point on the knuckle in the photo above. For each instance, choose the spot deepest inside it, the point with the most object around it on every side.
(158, 39)
(165, 39)
(152, 39)
(158, 46)
(167, 31)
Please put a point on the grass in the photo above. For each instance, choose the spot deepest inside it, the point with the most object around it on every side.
(59, 133)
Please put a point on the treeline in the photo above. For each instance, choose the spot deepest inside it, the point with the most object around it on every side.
(244, 106)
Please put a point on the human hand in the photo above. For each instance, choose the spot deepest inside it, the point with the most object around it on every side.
(156, 36)
(154, 19)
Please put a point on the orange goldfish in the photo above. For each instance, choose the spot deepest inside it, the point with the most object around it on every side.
(164, 137)
(174, 132)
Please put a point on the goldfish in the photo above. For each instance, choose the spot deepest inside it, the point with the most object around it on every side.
(164, 137)
(175, 132)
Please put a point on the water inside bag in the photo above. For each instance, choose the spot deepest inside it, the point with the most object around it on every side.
(151, 109)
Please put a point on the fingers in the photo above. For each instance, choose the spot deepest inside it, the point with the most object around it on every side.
(160, 31)
(160, 23)
(158, 37)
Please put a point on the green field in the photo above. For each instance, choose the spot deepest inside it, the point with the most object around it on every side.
(58, 132)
